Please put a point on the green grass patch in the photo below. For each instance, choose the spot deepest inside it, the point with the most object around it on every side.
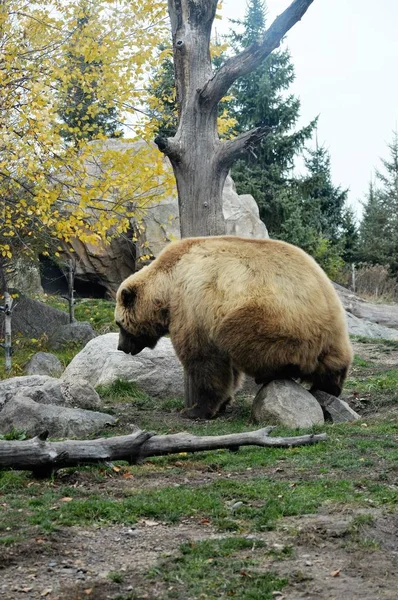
(97, 311)
(381, 382)
(121, 391)
(264, 501)
(217, 570)
(386, 345)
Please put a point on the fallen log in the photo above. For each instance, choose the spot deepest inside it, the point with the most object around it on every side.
(43, 457)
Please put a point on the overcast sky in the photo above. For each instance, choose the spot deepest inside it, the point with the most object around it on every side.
(345, 53)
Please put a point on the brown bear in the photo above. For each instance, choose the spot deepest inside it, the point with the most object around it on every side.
(232, 306)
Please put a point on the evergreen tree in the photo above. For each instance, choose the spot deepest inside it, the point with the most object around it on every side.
(331, 199)
(84, 115)
(374, 241)
(350, 236)
(379, 226)
(260, 100)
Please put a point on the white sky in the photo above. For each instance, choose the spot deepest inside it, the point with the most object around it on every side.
(345, 54)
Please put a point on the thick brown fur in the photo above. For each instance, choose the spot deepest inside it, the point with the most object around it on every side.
(235, 305)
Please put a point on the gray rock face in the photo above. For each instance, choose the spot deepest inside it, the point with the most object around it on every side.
(284, 402)
(158, 372)
(335, 409)
(241, 213)
(25, 277)
(77, 332)
(48, 390)
(32, 319)
(24, 414)
(383, 314)
(365, 328)
(44, 363)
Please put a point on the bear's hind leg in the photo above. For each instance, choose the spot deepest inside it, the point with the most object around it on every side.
(212, 379)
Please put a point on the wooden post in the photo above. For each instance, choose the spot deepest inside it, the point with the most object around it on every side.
(353, 282)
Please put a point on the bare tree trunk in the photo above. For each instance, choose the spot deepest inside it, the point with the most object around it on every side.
(43, 457)
(71, 291)
(7, 330)
(199, 158)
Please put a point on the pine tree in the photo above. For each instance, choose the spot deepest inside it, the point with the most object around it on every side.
(379, 227)
(260, 100)
(331, 199)
(84, 115)
(350, 236)
(374, 241)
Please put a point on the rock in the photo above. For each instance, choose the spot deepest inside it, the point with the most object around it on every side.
(158, 372)
(241, 213)
(33, 319)
(25, 277)
(284, 402)
(106, 264)
(44, 363)
(162, 224)
(77, 332)
(48, 390)
(335, 409)
(364, 328)
(24, 414)
(383, 314)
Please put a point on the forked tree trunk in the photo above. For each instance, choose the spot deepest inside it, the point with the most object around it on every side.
(199, 158)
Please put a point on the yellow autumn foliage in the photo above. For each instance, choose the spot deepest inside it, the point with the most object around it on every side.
(48, 187)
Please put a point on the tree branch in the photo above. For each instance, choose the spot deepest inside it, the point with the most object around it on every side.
(168, 147)
(250, 59)
(43, 457)
(232, 149)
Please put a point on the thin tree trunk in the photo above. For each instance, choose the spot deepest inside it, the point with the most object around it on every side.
(7, 330)
(44, 457)
(71, 291)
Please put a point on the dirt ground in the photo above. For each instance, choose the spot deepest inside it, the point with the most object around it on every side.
(324, 566)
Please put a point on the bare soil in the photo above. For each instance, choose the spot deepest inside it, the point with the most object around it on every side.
(328, 561)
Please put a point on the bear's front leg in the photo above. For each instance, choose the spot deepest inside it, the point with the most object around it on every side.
(212, 380)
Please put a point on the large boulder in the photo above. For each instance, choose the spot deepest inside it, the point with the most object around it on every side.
(78, 332)
(158, 372)
(44, 363)
(285, 402)
(385, 315)
(365, 328)
(24, 414)
(76, 393)
(33, 319)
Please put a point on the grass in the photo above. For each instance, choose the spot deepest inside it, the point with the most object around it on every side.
(97, 311)
(270, 483)
(234, 564)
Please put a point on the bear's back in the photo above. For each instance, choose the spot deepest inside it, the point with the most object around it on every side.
(216, 274)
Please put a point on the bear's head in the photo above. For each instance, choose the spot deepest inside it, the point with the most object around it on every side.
(141, 317)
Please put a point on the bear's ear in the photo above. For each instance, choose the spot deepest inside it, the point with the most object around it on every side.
(128, 297)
